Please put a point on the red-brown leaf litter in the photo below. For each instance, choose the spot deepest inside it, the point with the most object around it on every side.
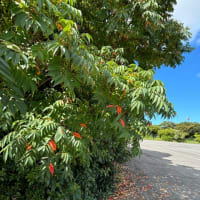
(131, 186)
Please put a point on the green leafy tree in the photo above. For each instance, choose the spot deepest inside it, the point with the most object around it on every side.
(144, 29)
(170, 134)
(69, 79)
(189, 127)
(154, 130)
(167, 124)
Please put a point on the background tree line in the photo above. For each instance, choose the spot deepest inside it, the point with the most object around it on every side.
(170, 131)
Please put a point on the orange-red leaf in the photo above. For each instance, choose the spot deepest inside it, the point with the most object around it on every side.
(114, 54)
(122, 122)
(37, 67)
(76, 135)
(51, 168)
(29, 147)
(148, 23)
(59, 26)
(110, 106)
(149, 186)
(119, 110)
(131, 82)
(124, 92)
(83, 125)
(52, 145)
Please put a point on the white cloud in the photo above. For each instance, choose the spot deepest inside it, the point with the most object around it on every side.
(198, 75)
(188, 12)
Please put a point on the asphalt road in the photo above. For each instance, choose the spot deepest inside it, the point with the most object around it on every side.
(173, 170)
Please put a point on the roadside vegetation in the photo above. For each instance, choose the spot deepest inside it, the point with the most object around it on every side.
(188, 132)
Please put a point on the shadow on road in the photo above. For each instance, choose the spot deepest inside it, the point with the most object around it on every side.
(169, 181)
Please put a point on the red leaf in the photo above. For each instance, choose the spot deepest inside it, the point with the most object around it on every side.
(119, 110)
(148, 23)
(59, 26)
(83, 125)
(110, 106)
(131, 82)
(29, 147)
(51, 168)
(123, 94)
(38, 73)
(76, 135)
(122, 122)
(37, 67)
(52, 145)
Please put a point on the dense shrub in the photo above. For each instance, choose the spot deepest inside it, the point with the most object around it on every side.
(179, 132)
(179, 136)
(172, 134)
(189, 127)
(166, 134)
(197, 137)
(154, 130)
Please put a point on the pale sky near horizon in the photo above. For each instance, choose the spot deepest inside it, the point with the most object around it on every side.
(188, 12)
(183, 83)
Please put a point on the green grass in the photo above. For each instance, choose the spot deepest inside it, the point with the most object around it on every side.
(190, 141)
(151, 138)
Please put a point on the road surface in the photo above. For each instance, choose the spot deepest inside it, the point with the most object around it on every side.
(173, 170)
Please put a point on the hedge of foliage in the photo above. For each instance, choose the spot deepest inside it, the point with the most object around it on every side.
(71, 95)
(172, 134)
(170, 131)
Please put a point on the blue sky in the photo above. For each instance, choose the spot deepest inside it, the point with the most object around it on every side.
(183, 83)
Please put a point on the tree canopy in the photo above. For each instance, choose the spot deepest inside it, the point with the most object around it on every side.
(178, 132)
(145, 29)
